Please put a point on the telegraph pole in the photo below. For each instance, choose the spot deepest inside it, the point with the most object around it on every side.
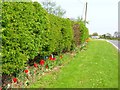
(85, 13)
(119, 16)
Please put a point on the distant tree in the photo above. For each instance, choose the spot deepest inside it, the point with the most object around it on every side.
(108, 35)
(95, 34)
(52, 8)
(90, 35)
(115, 34)
(104, 36)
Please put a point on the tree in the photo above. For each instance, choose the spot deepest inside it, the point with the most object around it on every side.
(115, 34)
(108, 35)
(103, 36)
(52, 8)
(95, 34)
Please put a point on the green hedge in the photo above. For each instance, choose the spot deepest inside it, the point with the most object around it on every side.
(25, 30)
(84, 32)
(28, 30)
(61, 34)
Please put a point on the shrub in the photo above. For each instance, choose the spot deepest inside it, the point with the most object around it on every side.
(84, 32)
(61, 34)
(28, 30)
(25, 30)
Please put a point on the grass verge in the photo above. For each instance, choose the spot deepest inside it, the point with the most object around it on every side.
(95, 67)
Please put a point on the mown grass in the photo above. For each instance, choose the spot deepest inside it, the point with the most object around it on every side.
(96, 67)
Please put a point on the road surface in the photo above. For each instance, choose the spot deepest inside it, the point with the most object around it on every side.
(116, 43)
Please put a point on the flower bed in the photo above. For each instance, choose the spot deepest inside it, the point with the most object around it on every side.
(29, 74)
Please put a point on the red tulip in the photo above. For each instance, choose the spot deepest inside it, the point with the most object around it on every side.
(26, 71)
(54, 59)
(50, 57)
(14, 80)
(35, 65)
(42, 62)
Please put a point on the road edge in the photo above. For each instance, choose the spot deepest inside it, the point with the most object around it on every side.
(113, 45)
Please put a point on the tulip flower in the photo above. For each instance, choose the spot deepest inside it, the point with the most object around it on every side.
(42, 62)
(50, 58)
(14, 80)
(26, 71)
(35, 65)
(53, 59)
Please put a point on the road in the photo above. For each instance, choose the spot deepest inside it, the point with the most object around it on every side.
(115, 43)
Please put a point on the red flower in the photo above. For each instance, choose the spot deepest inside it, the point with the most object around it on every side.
(50, 57)
(35, 65)
(26, 71)
(14, 80)
(54, 59)
(42, 62)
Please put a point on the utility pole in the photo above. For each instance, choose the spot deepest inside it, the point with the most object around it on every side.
(85, 13)
(119, 16)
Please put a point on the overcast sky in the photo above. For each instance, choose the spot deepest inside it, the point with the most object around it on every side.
(102, 14)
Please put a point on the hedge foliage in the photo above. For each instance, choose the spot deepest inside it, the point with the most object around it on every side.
(84, 32)
(28, 30)
(25, 30)
(61, 33)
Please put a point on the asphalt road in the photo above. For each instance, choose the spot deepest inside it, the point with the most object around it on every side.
(116, 43)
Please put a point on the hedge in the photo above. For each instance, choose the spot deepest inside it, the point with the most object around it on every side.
(25, 30)
(28, 30)
(84, 32)
(77, 33)
(81, 32)
(61, 33)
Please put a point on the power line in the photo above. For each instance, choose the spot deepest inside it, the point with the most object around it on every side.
(80, 1)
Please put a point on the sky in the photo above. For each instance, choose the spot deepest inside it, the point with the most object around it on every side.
(101, 14)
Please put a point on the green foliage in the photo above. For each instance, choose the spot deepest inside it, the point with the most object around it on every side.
(28, 30)
(61, 34)
(24, 34)
(84, 32)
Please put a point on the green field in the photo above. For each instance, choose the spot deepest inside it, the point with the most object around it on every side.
(95, 67)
